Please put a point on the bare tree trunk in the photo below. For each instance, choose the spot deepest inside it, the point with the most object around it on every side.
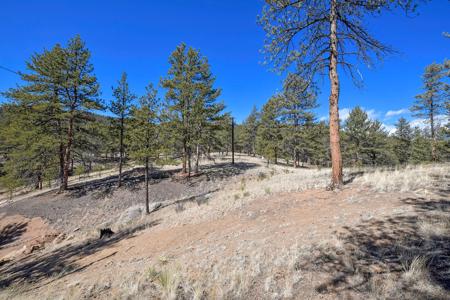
(61, 163)
(335, 147)
(121, 152)
(184, 170)
(197, 155)
(189, 161)
(67, 155)
(232, 141)
(294, 159)
(38, 182)
(433, 135)
(147, 207)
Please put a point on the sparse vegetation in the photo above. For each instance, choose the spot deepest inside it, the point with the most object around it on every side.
(235, 207)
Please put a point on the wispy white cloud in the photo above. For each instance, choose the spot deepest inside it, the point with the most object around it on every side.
(392, 113)
(344, 113)
(372, 113)
(425, 123)
(389, 128)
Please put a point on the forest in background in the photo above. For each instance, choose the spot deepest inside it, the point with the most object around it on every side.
(54, 124)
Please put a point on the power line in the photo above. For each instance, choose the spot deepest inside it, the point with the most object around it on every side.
(9, 70)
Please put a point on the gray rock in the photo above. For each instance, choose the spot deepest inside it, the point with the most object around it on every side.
(130, 214)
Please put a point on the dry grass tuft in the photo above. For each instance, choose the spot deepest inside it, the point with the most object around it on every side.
(405, 179)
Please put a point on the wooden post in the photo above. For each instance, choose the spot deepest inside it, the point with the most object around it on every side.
(232, 141)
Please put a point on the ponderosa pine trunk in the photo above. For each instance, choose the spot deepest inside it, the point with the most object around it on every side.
(121, 151)
(433, 134)
(189, 161)
(294, 159)
(147, 206)
(197, 156)
(61, 164)
(184, 168)
(67, 155)
(335, 147)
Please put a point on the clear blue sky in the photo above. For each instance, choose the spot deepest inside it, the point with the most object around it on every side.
(138, 36)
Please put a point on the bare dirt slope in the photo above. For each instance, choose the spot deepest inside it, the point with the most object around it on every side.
(264, 235)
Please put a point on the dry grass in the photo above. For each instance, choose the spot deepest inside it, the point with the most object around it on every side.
(405, 179)
(254, 183)
(257, 269)
(260, 275)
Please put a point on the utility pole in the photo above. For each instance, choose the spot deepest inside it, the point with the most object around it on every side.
(232, 141)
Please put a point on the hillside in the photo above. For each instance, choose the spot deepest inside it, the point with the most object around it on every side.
(242, 231)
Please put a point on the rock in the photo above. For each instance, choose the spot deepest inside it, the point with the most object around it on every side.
(130, 214)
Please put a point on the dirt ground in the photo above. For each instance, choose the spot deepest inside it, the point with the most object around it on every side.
(85, 206)
(311, 244)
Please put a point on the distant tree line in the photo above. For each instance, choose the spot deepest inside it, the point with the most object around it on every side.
(286, 129)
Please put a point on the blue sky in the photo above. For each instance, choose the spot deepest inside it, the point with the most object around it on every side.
(138, 36)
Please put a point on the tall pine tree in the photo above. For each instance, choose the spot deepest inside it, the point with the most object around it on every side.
(432, 102)
(402, 144)
(249, 130)
(269, 131)
(191, 104)
(121, 107)
(321, 36)
(145, 140)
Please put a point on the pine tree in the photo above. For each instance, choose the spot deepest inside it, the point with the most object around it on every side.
(365, 141)
(191, 103)
(402, 144)
(321, 144)
(145, 140)
(318, 37)
(432, 102)
(121, 107)
(420, 147)
(207, 113)
(295, 105)
(269, 131)
(377, 150)
(80, 91)
(30, 157)
(357, 129)
(249, 130)
(39, 99)
(60, 90)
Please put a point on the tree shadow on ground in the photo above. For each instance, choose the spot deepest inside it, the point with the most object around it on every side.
(11, 233)
(386, 247)
(106, 186)
(349, 178)
(60, 262)
(133, 178)
(221, 171)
